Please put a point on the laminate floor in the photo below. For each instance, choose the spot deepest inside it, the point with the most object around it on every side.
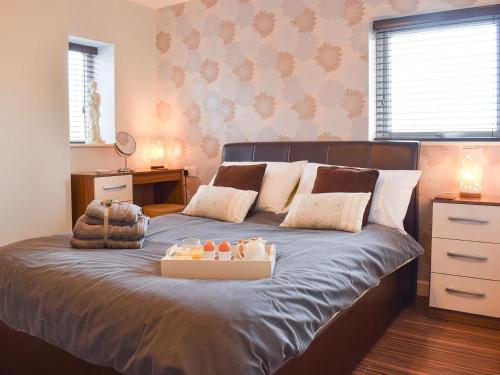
(417, 344)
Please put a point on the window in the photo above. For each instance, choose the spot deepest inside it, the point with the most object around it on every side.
(437, 75)
(81, 61)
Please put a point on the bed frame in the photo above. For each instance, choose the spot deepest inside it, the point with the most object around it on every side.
(344, 341)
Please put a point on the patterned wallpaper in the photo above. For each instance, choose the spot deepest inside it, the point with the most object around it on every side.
(268, 70)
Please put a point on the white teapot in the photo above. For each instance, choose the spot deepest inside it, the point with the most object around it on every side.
(255, 249)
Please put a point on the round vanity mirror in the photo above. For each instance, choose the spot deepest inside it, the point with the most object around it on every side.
(125, 146)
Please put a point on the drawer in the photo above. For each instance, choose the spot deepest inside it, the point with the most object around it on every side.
(466, 222)
(113, 187)
(151, 178)
(474, 296)
(466, 258)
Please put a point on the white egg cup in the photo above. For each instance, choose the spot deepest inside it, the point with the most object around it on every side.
(209, 255)
(225, 255)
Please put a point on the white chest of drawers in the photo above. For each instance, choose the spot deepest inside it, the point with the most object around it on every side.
(465, 266)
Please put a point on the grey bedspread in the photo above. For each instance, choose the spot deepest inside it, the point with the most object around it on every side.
(112, 308)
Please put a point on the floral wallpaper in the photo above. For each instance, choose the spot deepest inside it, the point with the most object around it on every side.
(270, 70)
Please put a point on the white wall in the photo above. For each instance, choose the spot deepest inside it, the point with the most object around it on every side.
(35, 156)
(131, 28)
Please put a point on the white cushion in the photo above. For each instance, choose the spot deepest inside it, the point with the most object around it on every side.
(340, 211)
(221, 203)
(279, 181)
(391, 197)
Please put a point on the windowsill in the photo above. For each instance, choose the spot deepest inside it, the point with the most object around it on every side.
(461, 143)
(447, 142)
(90, 145)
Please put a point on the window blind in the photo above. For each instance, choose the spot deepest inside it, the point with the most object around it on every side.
(81, 63)
(439, 79)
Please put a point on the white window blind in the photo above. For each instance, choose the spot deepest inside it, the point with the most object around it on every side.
(439, 80)
(80, 74)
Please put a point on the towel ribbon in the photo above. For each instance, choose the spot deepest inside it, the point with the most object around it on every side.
(107, 204)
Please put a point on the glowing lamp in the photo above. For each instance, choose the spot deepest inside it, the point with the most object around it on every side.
(157, 154)
(471, 172)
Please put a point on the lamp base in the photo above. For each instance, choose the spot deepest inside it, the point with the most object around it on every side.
(125, 170)
(470, 195)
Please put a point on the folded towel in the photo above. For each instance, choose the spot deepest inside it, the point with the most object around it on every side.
(84, 231)
(101, 244)
(93, 221)
(122, 212)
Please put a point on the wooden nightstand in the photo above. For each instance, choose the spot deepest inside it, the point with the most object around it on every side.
(157, 191)
(465, 266)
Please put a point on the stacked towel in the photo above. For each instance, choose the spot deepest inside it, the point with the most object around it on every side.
(120, 213)
(123, 226)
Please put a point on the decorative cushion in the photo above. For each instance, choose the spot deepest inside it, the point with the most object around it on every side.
(280, 179)
(241, 177)
(221, 203)
(390, 199)
(340, 211)
(346, 180)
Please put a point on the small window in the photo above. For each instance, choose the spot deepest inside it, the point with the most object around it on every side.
(437, 75)
(81, 71)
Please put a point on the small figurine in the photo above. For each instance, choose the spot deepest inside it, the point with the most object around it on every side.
(93, 105)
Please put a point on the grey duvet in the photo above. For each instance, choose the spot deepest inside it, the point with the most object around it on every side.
(112, 308)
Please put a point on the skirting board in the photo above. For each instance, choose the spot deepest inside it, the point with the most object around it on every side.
(423, 288)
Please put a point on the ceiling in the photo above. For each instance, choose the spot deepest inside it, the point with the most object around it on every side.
(157, 4)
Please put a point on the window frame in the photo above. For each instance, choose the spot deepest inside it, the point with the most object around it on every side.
(90, 53)
(423, 21)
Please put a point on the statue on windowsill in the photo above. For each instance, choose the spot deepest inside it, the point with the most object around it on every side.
(93, 104)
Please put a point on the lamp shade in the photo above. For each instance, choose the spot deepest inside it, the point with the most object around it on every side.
(157, 154)
(471, 171)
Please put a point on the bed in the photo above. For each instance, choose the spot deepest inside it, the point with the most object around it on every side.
(108, 311)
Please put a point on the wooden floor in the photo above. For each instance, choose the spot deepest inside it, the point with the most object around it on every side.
(417, 344)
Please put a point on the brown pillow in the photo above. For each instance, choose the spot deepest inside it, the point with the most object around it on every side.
(242, 177)
(346, 180)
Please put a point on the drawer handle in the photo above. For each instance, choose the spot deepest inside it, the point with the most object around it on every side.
(467, 220)
(465, 292)
(114, 187)
(465, 256)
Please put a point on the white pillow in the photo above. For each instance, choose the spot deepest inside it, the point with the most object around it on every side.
(308, 177)
(221, 203)
(340, 211)
(279, 181)
(391, 197)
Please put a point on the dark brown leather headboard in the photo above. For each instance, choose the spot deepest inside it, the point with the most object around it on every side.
(365, 154)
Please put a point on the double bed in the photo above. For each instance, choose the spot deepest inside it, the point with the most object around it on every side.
(109, 311)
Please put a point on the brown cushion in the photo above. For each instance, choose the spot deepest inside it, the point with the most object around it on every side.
(242, 177)
(346, 180)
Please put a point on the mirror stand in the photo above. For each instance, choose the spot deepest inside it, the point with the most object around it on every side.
(125, 169)
(125, 146)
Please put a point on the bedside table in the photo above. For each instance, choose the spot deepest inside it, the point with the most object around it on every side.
(465, 265)
(158, 191)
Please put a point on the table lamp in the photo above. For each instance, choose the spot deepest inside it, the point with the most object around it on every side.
(157, 154)
(471, 172)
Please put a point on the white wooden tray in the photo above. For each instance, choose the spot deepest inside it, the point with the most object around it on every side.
(220, 269)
